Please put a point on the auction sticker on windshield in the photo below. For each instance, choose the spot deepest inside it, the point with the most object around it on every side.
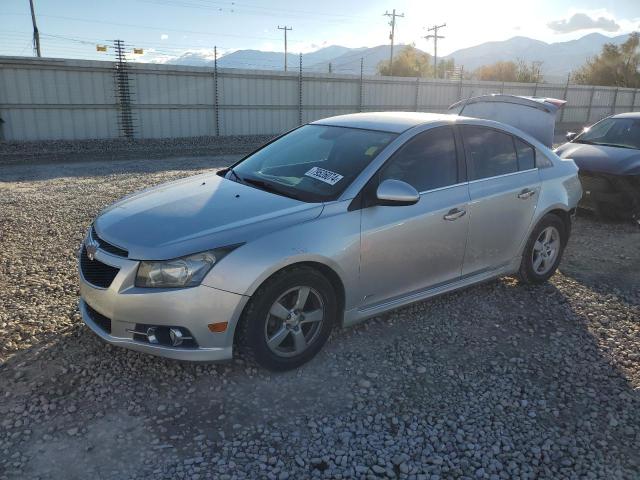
(326, 176)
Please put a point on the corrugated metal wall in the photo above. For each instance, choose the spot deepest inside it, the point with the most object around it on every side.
(43, 99)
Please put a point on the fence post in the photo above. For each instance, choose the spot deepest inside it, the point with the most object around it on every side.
(460, 85)
(417, 92)
(361, 85)
(633, 101)
(615, 100)
(535, 89)
(593, 91)
(123, 91)
(300, 92)
(216, 106)
(566, 91)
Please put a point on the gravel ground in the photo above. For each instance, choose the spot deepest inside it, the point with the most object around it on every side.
(498, 381)
(47, 151)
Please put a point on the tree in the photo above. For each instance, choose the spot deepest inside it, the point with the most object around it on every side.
(528, 73)
(445, 66)
(518, 71)
(616, 66)
(499, 71)
(409, 62)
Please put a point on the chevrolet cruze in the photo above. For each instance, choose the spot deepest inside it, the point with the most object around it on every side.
(332, 223)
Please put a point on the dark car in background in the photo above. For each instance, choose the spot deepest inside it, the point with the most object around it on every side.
(608, 156)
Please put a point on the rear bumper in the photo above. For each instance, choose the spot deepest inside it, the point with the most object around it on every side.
(117, 312)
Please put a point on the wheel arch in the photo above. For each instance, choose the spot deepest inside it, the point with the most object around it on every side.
(328, 272)
(562, 212)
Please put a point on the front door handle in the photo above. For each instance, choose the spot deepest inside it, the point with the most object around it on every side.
(454, 214)
(526, 193)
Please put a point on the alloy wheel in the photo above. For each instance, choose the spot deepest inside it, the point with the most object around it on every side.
(545, 250)
(294, 321)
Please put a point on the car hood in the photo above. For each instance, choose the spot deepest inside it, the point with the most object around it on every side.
(602, 159)
(196, 214)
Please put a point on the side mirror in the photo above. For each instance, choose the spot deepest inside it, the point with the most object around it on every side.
(396, 193)
(571, 135)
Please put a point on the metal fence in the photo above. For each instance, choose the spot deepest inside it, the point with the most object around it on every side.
(43, 99)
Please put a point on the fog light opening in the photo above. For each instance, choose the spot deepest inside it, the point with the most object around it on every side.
(151, 335)
(176, 336)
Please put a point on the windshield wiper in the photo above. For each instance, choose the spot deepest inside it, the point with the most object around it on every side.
(604, 144)
(269, 187)
(615, 145)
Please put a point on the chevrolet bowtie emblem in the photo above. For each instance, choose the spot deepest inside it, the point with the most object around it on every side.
(91, 246)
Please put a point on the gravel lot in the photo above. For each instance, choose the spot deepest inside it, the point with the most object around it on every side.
(499, 381)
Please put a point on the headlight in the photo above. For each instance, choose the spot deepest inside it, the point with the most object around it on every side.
(179, 272)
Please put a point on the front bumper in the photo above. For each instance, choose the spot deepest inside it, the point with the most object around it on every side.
(128, 307)
(616, 195)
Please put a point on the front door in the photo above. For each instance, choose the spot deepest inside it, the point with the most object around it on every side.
(405, 249)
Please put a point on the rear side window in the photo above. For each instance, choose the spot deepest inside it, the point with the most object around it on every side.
(426, 162)
(526, 155)
(491, 152)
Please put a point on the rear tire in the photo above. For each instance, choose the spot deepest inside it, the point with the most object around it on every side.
(288, 319)
(543, 251)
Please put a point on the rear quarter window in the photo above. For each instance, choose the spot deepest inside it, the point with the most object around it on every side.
(542, 161)
(526, 155)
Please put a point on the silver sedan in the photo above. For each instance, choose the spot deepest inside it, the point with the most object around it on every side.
(332, 223)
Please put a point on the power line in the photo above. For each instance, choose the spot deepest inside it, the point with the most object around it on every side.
(148, 27)
(256, 10)
(393, 16)
(435, 37)
(286, 29)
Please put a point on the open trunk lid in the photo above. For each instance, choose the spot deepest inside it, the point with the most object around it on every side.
(533, 115)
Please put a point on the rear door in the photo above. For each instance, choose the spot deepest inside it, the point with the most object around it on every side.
(409, 248)
(504, 187)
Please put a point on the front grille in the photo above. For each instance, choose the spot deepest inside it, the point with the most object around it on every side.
(95, 272)
(103, 322)
(106, 246)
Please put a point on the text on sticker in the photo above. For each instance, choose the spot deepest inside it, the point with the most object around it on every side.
(326, 176)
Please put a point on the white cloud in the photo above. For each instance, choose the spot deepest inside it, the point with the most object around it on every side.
(164, 36)
(583, 21)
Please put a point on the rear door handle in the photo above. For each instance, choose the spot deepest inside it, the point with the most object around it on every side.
(454, 214)
(526, 193)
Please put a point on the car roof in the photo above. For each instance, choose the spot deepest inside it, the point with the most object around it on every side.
(395, 122)
(628, 115)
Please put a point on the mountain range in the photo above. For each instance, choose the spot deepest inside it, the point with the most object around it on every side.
(558, 59)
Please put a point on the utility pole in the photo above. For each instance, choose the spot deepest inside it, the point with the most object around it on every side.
(393, 16)
(286, 29)
(435, 37)
(36, 34)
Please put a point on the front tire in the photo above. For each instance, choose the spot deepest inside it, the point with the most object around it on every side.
(543, 251)
(288, 319)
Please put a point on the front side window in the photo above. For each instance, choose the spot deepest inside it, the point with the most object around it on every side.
(426, 162)
(314, 163)
(491, 152)
(613, 132)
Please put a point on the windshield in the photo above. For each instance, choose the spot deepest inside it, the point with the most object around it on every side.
(314, 163)
(615, 132)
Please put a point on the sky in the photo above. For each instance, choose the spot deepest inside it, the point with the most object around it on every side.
(168, 28)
